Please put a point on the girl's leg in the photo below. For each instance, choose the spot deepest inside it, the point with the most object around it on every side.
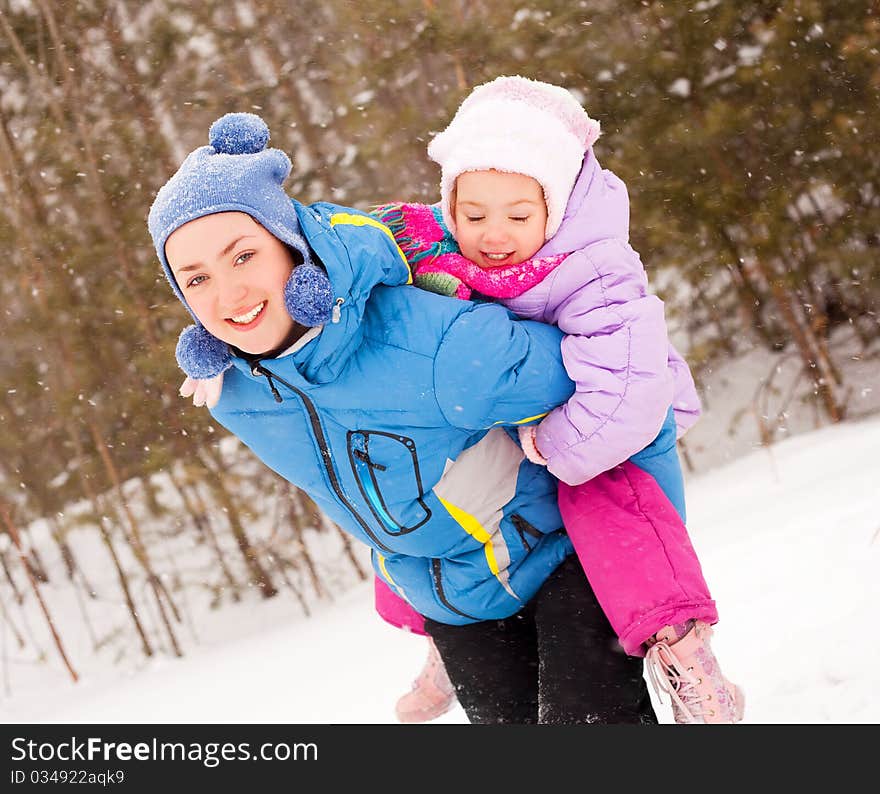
(681, 664)
(493, 666)
(394, 610)
(627, 527)
(432, 693)
(585, 676)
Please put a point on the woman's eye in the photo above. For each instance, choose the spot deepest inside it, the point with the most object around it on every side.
(195, 281)
(242, 258)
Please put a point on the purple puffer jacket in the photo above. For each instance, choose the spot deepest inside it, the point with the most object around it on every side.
(616, 350)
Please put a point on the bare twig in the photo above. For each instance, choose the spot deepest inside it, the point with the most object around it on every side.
(16, 539)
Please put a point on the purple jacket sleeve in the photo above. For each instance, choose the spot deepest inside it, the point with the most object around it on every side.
(685, 401)
(616, 351)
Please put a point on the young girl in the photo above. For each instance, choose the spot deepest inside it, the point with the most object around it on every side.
(388, 406)
(528, 217)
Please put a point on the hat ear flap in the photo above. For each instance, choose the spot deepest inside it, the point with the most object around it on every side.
(308, 295)
(201, 355)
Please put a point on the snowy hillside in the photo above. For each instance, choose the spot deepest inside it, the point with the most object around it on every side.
(790, 543)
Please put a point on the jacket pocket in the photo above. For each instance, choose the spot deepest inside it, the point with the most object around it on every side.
(528, 535)
(440, 590)
(386, 468)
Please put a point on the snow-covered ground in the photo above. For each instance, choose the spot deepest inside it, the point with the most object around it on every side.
(760, 389)
(789, 538)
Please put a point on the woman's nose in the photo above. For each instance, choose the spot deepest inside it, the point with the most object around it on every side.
(232, 292)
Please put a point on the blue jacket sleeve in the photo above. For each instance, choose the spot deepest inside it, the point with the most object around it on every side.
(492, 368)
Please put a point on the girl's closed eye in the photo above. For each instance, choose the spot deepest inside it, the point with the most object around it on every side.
(519, 218)
(475, 218)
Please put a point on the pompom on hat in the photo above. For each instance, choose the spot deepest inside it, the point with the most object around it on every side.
(236, 173)
(520, 126)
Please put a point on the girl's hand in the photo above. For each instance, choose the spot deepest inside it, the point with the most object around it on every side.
(203, 392)
(529, 447)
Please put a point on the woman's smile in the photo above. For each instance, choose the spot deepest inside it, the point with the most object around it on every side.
(248, 320)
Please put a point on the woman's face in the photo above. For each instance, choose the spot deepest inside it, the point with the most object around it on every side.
(232, 273)
(500, 218)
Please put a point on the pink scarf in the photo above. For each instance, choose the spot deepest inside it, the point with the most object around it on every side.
(438, 266)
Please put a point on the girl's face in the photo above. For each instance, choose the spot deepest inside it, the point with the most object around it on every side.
(500, 218)
(232, 273)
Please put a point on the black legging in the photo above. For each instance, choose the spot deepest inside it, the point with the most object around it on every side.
(556, 662)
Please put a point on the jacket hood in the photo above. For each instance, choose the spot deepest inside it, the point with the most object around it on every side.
(358, 254)
(597, 209)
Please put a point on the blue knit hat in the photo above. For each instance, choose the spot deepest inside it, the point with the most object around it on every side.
(236, 173)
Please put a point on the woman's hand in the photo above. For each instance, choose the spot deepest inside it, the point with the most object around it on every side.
(203, 392)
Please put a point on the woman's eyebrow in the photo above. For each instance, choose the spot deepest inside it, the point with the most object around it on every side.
(224, 252)
(232, 245)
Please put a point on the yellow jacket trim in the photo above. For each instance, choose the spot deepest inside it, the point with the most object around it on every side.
(521, 421)
(364, 220)
(385, 571)
(476, 530)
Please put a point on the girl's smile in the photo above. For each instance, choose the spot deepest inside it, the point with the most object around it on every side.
(500, 217)
(497, 258)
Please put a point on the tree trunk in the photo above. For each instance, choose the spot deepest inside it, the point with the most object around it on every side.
(198, 514)
(108, 544)
(71, 566)
(16, 539)
(819, 364)
(140, 103)
(19, 597)
(297, 518)
(29, 219)
(4, 612)
(135, 541)
(258, 574)
(104, 215)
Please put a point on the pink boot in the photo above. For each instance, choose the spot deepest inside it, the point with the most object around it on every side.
(687, 670)
(432, 692)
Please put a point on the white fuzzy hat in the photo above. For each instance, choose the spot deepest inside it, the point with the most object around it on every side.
(521, 126)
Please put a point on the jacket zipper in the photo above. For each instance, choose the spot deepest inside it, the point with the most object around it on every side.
(441, 595)
(258, 369)
(365, 469)
(524, 528)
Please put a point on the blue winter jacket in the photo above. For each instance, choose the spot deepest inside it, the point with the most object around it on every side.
(368, 416)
